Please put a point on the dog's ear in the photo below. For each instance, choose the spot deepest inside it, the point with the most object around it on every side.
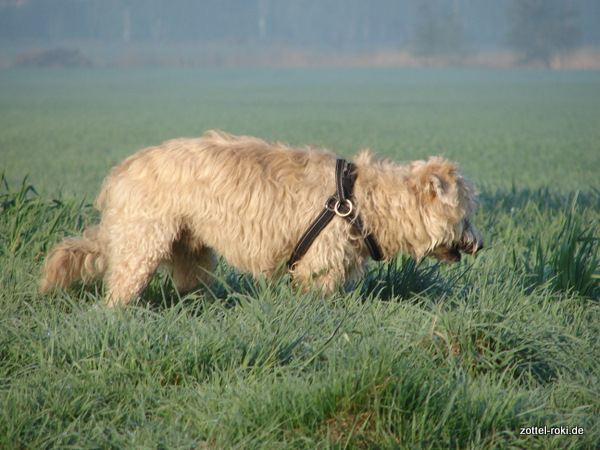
(435, 185)
(438, 180)
(435, 180)
(440, 188)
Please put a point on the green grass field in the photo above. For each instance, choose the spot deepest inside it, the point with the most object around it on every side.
(473, 355)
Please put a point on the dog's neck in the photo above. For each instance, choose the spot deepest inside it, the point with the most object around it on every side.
(375, 201)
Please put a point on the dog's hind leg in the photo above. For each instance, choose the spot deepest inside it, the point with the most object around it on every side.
(136, 249)
(191, 266)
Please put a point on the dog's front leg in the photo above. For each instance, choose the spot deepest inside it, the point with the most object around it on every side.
(324, 281)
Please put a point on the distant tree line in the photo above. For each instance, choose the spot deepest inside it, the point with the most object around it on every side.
(541, 28)
(537, 28)
(306, 22)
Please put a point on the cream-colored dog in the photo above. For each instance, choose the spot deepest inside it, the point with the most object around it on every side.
(250, 201)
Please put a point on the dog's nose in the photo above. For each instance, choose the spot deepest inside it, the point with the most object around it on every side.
(478, 244)
(471, 240)
(476, 247)
(470, 247)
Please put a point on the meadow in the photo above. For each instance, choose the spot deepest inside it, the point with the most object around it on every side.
(498, 351)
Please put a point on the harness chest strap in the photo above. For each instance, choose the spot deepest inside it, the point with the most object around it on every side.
(339, 204)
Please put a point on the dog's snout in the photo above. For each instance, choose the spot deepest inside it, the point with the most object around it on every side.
(471, 242)
(470, 247)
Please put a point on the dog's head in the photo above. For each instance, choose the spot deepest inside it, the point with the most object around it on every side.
(446, 200)
(469, 241)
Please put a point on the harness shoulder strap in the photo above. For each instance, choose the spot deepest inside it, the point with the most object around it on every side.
(340, 204)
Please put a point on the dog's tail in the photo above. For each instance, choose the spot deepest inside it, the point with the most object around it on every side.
(73, 259)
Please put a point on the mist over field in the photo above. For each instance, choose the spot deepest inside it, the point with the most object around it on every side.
(407, 33)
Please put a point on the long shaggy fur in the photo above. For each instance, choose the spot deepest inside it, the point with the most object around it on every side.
(74, 259)
(249, 200)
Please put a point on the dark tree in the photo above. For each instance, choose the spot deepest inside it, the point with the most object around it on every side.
(541, 29)
(438, 30)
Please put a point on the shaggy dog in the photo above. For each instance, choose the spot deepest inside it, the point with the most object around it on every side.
(250, 201)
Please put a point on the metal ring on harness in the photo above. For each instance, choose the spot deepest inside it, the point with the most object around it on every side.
(337, 210)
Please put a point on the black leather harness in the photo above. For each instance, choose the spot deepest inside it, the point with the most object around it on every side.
(339, 204)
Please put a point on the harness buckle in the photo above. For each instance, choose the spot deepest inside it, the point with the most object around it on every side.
(348, 205)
